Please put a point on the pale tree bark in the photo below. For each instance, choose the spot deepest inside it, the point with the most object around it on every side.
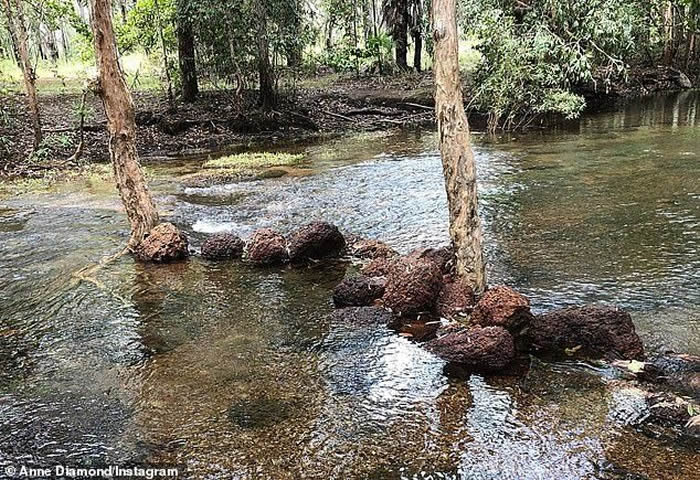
(119, 107)
(457, 158)
(18, 32)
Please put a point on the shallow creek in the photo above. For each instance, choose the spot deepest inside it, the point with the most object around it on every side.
(236, 372)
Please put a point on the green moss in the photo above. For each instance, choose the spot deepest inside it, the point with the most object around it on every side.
(93, 176)
(246, 161)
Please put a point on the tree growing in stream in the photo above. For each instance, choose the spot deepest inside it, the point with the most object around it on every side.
(457, 157)
(20, 43)
(119, 107)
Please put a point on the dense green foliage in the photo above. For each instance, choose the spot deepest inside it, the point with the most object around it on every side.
(535, 57)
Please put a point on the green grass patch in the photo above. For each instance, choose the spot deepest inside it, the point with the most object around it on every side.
(247, 161)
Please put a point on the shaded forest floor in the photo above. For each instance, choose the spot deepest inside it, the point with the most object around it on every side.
(220, 119)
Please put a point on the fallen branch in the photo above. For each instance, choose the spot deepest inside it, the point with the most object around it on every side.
(337, 115)
(418, 105)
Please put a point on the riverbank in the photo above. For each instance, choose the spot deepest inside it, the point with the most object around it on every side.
(220, 120)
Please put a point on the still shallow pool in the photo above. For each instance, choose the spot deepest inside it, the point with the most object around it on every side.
(235, 372)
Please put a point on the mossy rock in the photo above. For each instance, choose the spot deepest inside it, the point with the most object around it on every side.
(261, 160)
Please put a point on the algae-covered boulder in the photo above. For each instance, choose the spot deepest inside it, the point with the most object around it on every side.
(597, 330)
(267, 247)
(223, 245)
(358, 290)
(456, 299)
(164, 243)
(412, 286)
(315, 240)
(443, 256)
(371, 249)
(502, 306)
(479, 348)
(379, 267)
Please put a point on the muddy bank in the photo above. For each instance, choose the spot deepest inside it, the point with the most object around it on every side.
(220, 120)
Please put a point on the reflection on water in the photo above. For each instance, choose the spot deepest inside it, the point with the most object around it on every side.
(237, 372)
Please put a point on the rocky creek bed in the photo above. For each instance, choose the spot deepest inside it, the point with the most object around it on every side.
(421, 297)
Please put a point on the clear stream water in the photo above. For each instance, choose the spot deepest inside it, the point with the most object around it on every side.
(235, 372)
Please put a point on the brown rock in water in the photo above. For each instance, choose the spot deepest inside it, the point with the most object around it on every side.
(371, 249)
(362, 316)
(598, 330)
(456, 298)
(679, 371)
(267, 247)
(502, 306)
(315, 240)
(223, 245)
(412, 286)
(480, 348)
(444, 257)
(379, 267)
(165, 243)
(358, 291)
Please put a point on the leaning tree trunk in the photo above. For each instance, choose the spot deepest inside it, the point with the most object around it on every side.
(119, 108)
(186, 53)
(18, 33)
(457, 158)
(267, 86)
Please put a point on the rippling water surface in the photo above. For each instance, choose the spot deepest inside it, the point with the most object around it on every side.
(237, 372)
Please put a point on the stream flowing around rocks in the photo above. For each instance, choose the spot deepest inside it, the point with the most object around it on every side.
(238, 372)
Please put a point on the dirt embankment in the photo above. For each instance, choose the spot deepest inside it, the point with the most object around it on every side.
(220, 119)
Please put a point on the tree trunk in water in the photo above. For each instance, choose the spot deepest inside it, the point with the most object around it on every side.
(186, 53)
(18, 31)
(418, 53)
(401, 35)
(119, 108)
(267, 88)
(457, 158)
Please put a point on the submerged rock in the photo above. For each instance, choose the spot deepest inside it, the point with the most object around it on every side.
(412, 286)
(679, 371)
(358, 291)
(598, 330)
(362, 316)
(223, 245)
(444, 257)
(456, 298)
(371, 249)
(267, 247)
(165, 243)
(479, 348)
(502, 306)
(315, 240)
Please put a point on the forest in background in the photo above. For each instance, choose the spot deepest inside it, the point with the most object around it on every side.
(523, 59)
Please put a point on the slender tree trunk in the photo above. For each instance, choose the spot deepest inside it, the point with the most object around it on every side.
(457, 158)
(119, 107)
(166, 64)
(418, 53)
(186, 53)
(267, 87)
(18, 32)
(401, 35)
(668, 34)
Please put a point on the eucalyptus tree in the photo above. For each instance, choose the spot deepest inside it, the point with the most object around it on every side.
(119, 107)
(14, 13)
(457, 157)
